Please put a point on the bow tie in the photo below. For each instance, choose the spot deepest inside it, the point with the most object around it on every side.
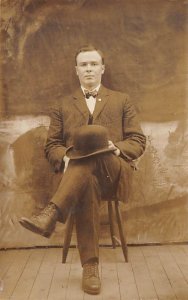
(89, 94)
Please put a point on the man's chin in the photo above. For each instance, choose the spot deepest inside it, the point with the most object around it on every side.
(90, 84)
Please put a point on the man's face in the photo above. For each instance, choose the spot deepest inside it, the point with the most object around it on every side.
(89, 69)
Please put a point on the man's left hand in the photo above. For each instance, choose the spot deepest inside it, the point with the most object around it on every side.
(111, 145)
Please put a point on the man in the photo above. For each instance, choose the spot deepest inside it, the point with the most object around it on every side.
(88, 179)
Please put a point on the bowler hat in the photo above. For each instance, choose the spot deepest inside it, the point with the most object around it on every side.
(89, 140)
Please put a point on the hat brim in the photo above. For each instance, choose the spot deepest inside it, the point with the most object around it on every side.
(74, 154)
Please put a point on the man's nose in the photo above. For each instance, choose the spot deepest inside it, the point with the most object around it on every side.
(88, 68)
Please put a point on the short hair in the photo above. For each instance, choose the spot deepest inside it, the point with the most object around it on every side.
(88, 48)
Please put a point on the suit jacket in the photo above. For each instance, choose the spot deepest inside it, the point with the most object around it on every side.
(114, 111)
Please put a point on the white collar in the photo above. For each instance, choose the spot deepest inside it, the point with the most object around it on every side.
(95, 89)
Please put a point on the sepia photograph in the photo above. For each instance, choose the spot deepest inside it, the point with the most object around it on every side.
(94, 149)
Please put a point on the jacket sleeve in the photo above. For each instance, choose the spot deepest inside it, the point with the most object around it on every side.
(134, 141)
(55, 145)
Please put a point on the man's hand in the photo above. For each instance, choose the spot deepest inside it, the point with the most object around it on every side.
(111, 145)
(66, 161)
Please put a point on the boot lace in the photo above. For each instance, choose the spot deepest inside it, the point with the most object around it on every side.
(46, 211)
(91, 270)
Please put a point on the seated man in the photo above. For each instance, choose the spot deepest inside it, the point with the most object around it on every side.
(103, 128)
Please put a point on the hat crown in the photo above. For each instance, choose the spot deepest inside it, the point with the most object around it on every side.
(90, 138)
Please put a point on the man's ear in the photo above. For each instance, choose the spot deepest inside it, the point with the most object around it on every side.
(76, 70)
(103, 69)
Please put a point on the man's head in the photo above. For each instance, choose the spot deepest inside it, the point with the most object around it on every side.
(89, 66)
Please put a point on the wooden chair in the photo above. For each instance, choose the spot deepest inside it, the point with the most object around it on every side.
(112, 203)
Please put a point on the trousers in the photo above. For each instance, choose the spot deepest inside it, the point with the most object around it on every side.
(82, 187)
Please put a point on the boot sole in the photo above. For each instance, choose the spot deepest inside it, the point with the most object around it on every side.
(30, 226)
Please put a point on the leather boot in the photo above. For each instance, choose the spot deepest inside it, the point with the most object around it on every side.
(44, 223)
(90, 280)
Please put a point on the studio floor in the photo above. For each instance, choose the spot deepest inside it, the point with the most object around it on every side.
(153, 272)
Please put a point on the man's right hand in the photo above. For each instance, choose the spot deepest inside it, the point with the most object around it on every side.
(66, 161)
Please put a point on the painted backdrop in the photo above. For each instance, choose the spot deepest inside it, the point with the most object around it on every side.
(145, 46)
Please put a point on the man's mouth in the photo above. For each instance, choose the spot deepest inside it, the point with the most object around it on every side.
(89, 76)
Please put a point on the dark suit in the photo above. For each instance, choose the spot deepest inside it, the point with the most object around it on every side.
(114, 111)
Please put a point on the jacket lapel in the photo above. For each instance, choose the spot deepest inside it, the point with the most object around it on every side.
(101, 101)
(80, 103)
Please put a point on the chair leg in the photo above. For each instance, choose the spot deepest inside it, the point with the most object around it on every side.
(111, 222)
(121, 231)
(67, 239)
